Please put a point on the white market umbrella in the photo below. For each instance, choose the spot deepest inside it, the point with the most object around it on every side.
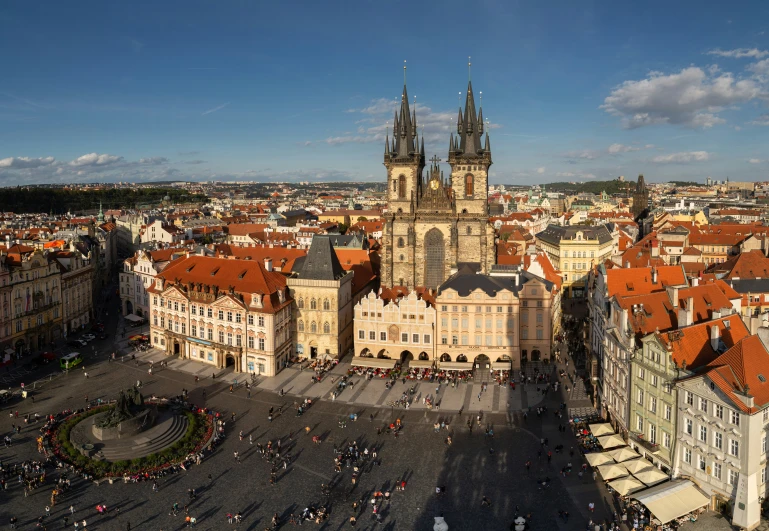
(637, 465)
(611, 441)
(599, 458)
(623, 454)
(651, 476)
(609, 472)
(603, 428)
(626, 485)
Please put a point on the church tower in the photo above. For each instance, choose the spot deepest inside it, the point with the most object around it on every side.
(434, 225)
(470, 159)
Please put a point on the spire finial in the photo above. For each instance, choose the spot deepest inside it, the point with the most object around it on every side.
(469, 65)
(481, 94)
(404, 72)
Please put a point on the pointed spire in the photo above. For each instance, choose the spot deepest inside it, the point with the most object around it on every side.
(487, 147)
(459, 122)
(470, 133)
(422, 149)
(480, 121)
(451, 143)
(387, 144)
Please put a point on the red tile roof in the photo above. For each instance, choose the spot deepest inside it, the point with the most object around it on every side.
(741, 369)
(637, 280)
(691, 345)
(750, 264)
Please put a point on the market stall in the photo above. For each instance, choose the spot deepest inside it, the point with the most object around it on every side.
(672, 500)
(637, 465)
(420, 364)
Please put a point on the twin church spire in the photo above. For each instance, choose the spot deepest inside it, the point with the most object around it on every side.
(406, 143)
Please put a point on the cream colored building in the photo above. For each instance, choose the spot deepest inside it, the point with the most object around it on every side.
(397, 325)
(322, 291)
(222, 312)
(574, 250)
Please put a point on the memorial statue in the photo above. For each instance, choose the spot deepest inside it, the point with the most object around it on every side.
(128, 404)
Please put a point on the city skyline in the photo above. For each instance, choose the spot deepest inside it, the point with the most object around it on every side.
(151, 93)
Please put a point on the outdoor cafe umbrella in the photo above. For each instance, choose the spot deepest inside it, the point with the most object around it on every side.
(623, 454)
(612, 471)
(626, 485)
(599, 458)
(603, 428)
(651, 476)
(637, 465)
(611, 441)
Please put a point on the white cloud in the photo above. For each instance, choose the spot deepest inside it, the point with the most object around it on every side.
(584, 154)
(217, 108)
(691, 98)
(541, 170)
(153, 160)
(761, 120)
(761, 68)
(755, 161)
(620, 148)
(740, 53)
(575, 176)
(15, 163)
(565, 174)
(682, 157)
(94, 159)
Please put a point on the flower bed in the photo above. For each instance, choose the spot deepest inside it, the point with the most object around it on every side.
(200, 429)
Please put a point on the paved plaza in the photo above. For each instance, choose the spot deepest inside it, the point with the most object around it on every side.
(474, 466)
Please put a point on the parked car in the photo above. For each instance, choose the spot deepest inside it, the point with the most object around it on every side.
(76, 343)
(88, 337)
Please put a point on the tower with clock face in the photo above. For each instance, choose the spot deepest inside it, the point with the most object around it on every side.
(434, 225)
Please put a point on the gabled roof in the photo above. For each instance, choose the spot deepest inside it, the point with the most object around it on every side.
(321, 262)
(741, 370)
(692, 344)
(750, 264)
(637, 280)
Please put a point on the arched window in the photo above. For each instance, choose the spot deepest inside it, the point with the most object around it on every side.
(326, 305)
(469, 230)
(326, 328)
(300, 326)
(300, 303)
(313, 327)
(402, 187)
(401, 242)
(313, 304)
(468, 185)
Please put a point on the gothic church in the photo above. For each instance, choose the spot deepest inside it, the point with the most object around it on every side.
(434, 226)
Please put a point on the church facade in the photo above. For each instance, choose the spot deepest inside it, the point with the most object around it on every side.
(434, 225)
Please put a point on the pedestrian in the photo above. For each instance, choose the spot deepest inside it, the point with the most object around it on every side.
(71, 509)
(591, 507)
(485, 502)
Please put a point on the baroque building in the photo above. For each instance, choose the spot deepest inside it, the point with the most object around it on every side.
(434, 225)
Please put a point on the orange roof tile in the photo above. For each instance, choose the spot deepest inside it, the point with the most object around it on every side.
(743, 368)
(637, 280)
(691, 345)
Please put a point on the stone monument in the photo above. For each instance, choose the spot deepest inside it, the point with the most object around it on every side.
(127, 417)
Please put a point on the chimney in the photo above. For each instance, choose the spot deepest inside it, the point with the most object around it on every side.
(715, 335)
(690, 310)
(656, 249)
(268, 264)
(654, 275)
(695, 282)
(627, 264)
(673, 295)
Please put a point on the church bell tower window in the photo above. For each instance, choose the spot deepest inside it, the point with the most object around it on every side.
(468, 185)
(402, 187)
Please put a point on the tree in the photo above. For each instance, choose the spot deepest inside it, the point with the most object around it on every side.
(362, 218)
(342, 228)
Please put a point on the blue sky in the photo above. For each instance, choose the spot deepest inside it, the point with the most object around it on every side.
(141, 91)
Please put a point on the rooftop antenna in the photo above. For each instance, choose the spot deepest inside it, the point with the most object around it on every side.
(469, 64)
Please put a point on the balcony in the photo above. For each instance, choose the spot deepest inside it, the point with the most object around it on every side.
(641, 441)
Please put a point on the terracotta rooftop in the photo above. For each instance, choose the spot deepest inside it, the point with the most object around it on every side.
(741, 370)
(638, 280)
(692, 344)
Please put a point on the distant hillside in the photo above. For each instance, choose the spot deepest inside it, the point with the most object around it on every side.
(59, 201)
(595, 187)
